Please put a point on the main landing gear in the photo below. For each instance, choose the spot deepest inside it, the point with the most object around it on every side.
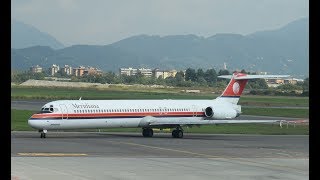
(43, 133)
(177, 133)
(147, 132)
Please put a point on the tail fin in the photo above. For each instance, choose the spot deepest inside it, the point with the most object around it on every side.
(237, 84)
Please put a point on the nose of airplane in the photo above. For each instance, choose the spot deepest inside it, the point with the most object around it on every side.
(34, 123)
(31, 123)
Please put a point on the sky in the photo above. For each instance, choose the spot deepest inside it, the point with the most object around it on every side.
(102, 22)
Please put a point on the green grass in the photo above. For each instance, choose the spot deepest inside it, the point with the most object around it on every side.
(19, 122)
(92, 93)
(274, 101)
(277, 112)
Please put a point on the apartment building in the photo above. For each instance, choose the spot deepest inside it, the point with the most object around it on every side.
(67, 69)
(133, 71)
(54, 69)
(36, 69)
(164, 73)
(79, 71)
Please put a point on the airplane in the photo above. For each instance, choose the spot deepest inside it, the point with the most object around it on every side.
(147, 114)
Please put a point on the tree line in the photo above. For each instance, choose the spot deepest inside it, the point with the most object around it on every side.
(191, 78)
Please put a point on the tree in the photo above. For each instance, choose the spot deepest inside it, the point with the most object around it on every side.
(243, 71)
(179, 76)
(305, 85)
(257, 84)
(289, 87)
(210, 76)
(191, 74)
(200, 74)
(223, 72)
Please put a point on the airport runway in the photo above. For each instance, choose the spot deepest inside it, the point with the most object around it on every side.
(94, 155)
(118, 156)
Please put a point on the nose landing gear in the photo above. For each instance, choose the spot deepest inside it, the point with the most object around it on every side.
(43, 133)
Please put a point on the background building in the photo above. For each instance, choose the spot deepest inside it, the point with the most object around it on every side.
(67, 69)
(36, 69)
(128, 71)
(54, 69)
(92, 71)
(78, 71)
(133, 71)
(164, 73)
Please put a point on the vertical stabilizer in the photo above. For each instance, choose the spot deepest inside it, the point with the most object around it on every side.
(237, 84)
(234, 89)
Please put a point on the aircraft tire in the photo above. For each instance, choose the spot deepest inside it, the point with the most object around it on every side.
(174, 133)
(43, 135)
(147, 132)
(179, 134)
(150, 133)
(144, 133)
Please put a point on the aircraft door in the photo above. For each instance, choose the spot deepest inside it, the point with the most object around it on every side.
(64, 111)
(194, 111)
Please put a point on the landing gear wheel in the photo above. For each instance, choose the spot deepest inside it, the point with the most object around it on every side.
(177, 133)
(43, 135)
(147, 132)
(174, 133)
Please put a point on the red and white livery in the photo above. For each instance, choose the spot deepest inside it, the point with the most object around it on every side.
(146, 114)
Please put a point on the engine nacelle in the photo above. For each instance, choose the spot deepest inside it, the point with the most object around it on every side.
(220, 113)
(208, 112)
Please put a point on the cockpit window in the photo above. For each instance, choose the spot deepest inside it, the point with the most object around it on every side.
(46, 110)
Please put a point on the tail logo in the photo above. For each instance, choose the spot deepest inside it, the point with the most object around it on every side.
(236, 88)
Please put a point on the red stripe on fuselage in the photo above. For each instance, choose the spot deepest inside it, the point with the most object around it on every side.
(155, 114)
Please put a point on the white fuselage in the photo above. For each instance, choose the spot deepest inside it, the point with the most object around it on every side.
(76, 114)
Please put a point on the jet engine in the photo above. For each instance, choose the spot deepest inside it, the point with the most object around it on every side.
(220, 113)
(208, 112)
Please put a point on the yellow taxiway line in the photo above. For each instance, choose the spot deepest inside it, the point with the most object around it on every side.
(51, 154)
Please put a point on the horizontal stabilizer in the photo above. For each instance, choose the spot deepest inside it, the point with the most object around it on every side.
(253, 76)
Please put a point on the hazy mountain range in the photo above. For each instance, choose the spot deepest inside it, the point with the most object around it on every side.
(24, 35)
(280, 51)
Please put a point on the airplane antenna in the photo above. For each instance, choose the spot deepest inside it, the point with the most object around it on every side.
(80, 98)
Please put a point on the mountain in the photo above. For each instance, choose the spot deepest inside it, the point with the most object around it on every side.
(280, 51)
(24, 35)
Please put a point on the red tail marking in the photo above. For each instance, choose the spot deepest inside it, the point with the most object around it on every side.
(235, 87)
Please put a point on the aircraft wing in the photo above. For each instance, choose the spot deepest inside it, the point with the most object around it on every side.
(203, 122)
